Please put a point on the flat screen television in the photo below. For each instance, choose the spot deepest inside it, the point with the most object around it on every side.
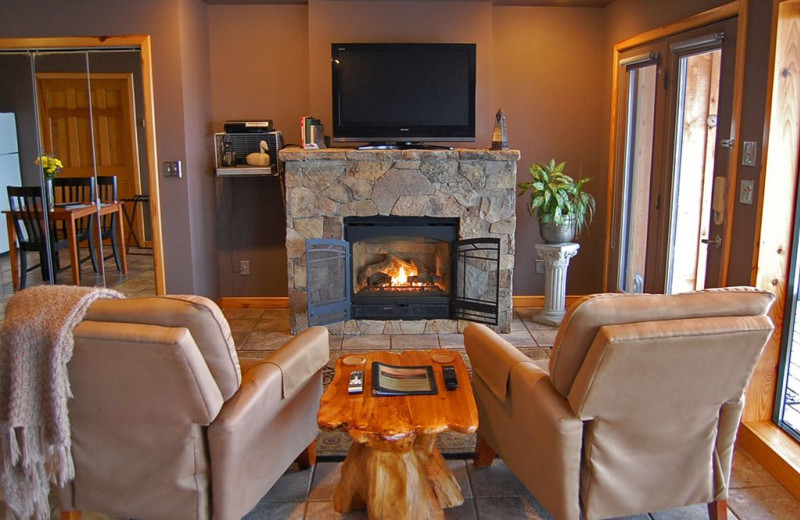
(403, 93)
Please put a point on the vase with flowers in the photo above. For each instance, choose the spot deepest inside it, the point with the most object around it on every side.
(51, 167)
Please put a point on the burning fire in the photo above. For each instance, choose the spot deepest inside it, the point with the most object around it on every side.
(397, 275)
(400, 277)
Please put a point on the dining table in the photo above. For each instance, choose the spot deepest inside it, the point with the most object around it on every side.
(69, 214)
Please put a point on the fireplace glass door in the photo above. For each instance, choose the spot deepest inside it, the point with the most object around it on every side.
(402, 268)
(399, 265)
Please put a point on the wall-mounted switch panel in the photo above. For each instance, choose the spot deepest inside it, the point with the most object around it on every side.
(749, 153)
(539, 266)
(746, 192)
(172, 169)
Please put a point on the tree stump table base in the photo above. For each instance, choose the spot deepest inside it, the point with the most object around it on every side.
(406, 479)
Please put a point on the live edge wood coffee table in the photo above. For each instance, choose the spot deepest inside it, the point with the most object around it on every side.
(394, 466)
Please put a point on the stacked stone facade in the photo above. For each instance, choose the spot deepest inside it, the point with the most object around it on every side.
(324, 186)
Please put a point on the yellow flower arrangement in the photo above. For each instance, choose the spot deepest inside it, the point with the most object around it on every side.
(51, 165)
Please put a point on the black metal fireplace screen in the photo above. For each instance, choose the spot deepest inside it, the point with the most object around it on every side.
(402, 268)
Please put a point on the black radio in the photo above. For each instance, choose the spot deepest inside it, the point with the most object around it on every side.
(246, 127)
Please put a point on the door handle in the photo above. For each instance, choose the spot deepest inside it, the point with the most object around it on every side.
(716, 241)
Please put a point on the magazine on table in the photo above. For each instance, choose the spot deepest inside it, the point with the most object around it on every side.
(394, 380)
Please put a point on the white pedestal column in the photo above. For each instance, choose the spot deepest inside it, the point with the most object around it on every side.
(556, 261)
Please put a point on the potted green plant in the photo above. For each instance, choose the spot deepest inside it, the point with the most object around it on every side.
(558, 202)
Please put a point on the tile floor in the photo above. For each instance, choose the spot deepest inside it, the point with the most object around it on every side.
(138, 281)
(491, 493)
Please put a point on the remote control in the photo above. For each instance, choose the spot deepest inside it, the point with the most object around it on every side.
(450, 380)
(356, 385)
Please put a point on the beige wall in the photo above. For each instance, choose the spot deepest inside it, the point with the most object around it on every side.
(546, 74)
(548, 67)
(259, 69)
(189, 267)
(397, 21)
(542, 65)
(259, 64)
(201, 197)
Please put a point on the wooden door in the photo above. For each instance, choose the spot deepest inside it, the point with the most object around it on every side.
(66, 128)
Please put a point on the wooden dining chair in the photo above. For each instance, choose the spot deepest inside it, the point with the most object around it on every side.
(107, 191)
(26, 205)
(78, 190)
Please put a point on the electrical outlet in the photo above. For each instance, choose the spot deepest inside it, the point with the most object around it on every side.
(244, 267)
(539, 266)
(746, 191)
(172, 169)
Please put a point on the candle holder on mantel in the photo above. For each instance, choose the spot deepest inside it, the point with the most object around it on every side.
(500, 132)
(556, 261)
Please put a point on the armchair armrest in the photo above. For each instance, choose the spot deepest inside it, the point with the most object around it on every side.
(267, 422)
(492, 357)
(300, 358)
(526, 421)
(265, 382)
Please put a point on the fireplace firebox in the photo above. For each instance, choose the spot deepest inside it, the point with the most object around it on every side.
(402, 268)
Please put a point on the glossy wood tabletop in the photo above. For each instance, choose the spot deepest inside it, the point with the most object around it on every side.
(393, 418)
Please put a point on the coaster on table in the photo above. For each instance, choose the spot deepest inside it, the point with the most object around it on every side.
(354, 361)
(444, 358)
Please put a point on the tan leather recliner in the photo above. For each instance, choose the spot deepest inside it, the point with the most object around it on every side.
(168, 423)
(639, 409)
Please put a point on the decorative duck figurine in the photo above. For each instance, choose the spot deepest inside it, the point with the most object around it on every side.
(260, 158)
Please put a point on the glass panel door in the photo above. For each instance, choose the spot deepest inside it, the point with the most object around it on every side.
(698, 100)
(18, 146)
(121, 170)
(65, 105)
(637, 168)
(675, 103)
(787, 402)
(79, 107)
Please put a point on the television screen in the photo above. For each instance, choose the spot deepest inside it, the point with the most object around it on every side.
(403, 93)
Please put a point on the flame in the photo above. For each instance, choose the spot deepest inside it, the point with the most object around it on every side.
(401, 278)
(400, 275)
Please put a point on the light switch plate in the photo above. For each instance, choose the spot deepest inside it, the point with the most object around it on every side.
(746, 192)
(749, 153)
(172, 169)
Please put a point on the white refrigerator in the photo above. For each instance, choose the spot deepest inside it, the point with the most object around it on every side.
(9, 169)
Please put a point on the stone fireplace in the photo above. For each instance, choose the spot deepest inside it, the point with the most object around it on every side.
(406, 216)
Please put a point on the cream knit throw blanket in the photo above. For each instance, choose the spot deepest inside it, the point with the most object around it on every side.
(35, 442)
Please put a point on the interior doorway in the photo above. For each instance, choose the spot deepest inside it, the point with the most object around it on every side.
(65, 127)
(100, 48)
(675, 98)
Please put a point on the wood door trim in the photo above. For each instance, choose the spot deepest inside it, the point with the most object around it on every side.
(736, 123)
(81, 75)
(143, 43)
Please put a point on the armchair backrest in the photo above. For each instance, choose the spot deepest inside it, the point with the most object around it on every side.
(205, 321)
(659, 382)
(584, 319)
(144, 395)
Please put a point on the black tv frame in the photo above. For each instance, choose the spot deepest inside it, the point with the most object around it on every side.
(403, 135)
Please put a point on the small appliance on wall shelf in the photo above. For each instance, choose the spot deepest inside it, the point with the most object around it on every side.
(248, 149)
